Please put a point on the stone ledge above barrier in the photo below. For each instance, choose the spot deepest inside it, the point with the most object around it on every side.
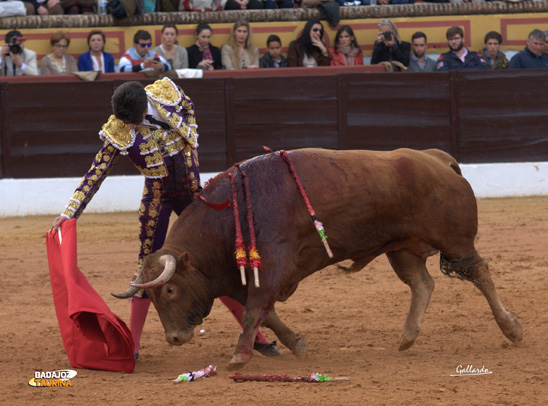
(298, 14)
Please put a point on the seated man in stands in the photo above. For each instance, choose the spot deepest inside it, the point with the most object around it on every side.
(459, 57)
(273, 57)
(419, 62)
(15, 60)
(491, 53)
(533, 56)
(140, 57)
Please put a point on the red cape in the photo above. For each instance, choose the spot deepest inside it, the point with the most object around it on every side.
(93, 336)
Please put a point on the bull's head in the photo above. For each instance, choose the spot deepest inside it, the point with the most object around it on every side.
(178, 291)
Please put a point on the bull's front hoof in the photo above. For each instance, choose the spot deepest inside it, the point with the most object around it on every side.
(238, 361)
(406, 342)
(300, 348)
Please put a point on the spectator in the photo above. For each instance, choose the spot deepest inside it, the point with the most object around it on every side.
(387, 2)
(15, 59)
(273, 58)
(546, 45)
(176, 55)
(15, 8)
(388, 46)
(459, 57)
(346, 51)
(491, 53)
(196, 5)
(419, 62)
(244, 5)
(44, 7)
(239, 52)
(57, 63)
(79, 6)
(309, 50)
(533, 55)
(203, 55)
(140, 57)
(274, 4)
(96, 59)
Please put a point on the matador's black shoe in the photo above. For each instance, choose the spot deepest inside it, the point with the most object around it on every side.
(267, 349)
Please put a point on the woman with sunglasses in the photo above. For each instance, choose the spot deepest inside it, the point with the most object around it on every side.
(57, 63)
(173, 53)
(309, 50)
(96, 59)
(239, 52)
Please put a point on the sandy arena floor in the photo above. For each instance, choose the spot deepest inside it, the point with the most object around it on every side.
(352, 324)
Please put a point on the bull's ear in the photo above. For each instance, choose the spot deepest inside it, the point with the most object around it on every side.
(185, 261)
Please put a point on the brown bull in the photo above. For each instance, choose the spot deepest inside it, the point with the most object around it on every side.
(406, 204)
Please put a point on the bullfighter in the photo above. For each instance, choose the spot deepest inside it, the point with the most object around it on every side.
(156, 128)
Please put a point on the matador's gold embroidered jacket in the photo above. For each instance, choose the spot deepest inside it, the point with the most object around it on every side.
(146, 147)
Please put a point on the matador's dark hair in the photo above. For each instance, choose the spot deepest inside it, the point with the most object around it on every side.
(129, 102)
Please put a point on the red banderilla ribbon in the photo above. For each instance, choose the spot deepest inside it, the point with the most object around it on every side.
(241, 256)
(317, 223)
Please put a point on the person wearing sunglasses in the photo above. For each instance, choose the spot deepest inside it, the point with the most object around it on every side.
(141, 57)
(58, 63)
(309, 50)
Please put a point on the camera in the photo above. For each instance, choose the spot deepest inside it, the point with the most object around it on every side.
(15, 46)
(387, 35)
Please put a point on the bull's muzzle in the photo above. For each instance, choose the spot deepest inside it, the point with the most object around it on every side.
(180, 337)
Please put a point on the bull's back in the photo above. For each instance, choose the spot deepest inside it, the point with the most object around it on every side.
(372, 198)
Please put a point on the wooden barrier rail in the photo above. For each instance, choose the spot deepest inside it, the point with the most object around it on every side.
(49, 129)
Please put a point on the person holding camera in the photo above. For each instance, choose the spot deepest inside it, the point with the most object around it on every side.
(389, 47)
(15, 59)
(141, 57)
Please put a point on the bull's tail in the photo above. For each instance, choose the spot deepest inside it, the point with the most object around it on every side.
(446, 158)
(462, 268)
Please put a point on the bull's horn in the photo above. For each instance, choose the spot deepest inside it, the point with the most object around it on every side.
(169, 269)
(131, 290)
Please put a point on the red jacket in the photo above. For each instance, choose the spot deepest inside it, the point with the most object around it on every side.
(338, 58)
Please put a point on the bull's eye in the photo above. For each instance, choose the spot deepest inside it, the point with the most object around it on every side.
(169, 290)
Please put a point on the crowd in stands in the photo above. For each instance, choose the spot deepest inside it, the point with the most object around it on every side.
(137, 7)
(308, 50)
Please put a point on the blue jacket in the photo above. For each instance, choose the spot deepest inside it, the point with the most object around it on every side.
(450, 61)
(527, 60)
(85, 63)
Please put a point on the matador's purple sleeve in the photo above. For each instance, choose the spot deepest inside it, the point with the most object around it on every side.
(100, 168)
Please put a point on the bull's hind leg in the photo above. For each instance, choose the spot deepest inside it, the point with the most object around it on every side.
(411, 269)
(476, 270)
(288, 337)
